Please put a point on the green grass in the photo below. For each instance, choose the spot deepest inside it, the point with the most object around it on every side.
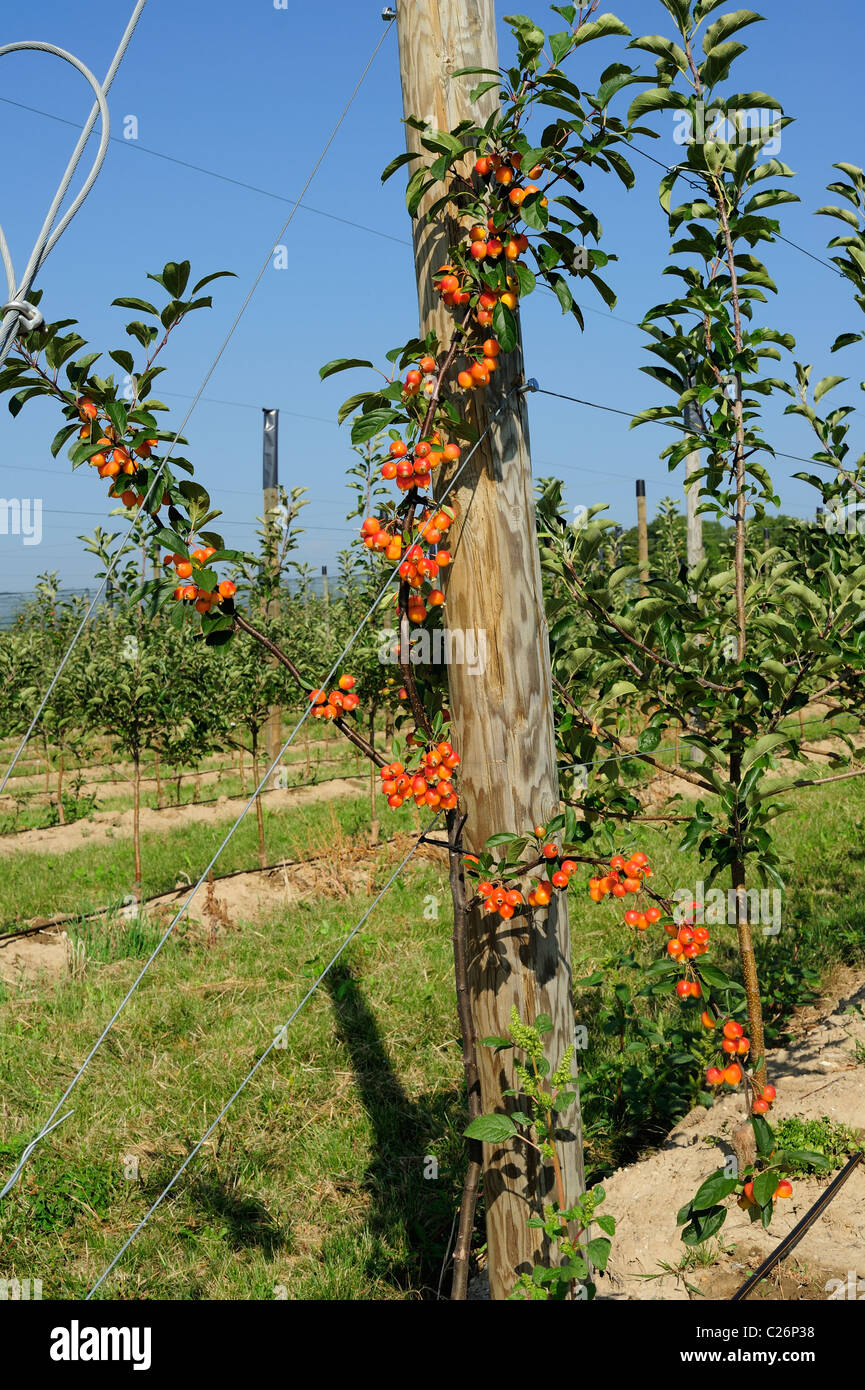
(93, 877)
(314, 1182)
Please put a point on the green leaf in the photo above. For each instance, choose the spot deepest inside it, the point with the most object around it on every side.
(826, 385)
(505, 327)
(497, 1042)
(716, 1187)
(349, 406)
(763, 1135)
(365, 426)
(174, 277)
(816, 1160)
(118, 414)
(491, 1129)
(649, 739)
(762, 746)
(171, 541)
(525, 278)
(662, 48)
(703, 1225)
(342, 364)
(217, 275)
(726, 26)
(600, 28)
(543, 1023)
(123, 359)
(61, 437)
(717, 979)
(397, 163)
(598, 1251)
(764, 1186)
(130, 302)
(656, 99)
(845, 340)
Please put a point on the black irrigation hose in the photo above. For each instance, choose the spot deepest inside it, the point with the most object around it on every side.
(798, 1231)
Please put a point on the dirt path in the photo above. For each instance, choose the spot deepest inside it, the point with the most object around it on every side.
(231, 902)
(107, 825)
(34, 784)
(817, 1075)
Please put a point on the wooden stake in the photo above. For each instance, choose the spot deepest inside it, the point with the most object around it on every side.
(502, 711)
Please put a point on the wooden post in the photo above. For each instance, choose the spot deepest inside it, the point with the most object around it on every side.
(502, 710)
(642, 537)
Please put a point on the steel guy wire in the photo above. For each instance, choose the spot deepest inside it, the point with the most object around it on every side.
(213, 174)
(674, 425)
(157, 475)
(18, 308)
(274, 1043)
(249, 804)
(360, 226)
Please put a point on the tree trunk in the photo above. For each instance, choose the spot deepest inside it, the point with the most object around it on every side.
(374, 783)
(136, 822)
(502, 717)
(61, 814)
(259, 813)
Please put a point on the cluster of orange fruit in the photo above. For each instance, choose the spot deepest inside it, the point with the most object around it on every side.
(499, 898)
(333, 705)
(625, 876)
(505, 898)
(481, 367)
(735, 1044)
(430, 785)
(419, 567)
(204, 599)
(747, 1199)
(412, 466)
(112, 458)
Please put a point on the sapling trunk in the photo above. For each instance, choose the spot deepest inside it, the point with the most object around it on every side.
(373, 788)
(136, 822)
(259, 813)
(61, 814)
(468, 1203)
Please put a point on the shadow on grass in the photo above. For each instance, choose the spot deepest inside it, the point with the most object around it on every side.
(414, 1177)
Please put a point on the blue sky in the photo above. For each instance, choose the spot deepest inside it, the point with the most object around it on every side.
(252, 92)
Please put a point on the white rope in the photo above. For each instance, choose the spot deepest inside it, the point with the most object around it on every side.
(278, 1036)
(49, 234)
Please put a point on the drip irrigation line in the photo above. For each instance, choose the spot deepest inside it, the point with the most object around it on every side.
(277, 1039)
(19, 310)
(155, 482)
(792, 1240)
